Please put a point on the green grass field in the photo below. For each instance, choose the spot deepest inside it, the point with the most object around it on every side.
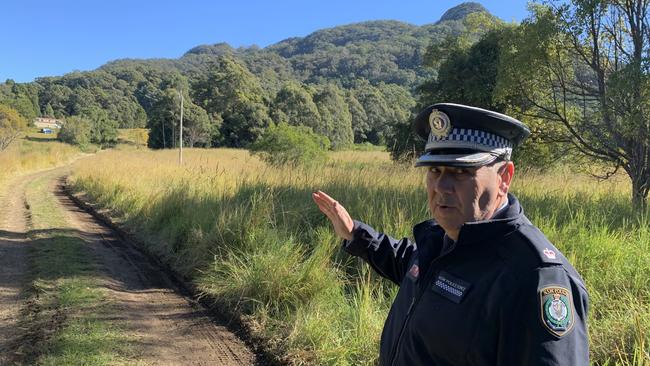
(250, 236)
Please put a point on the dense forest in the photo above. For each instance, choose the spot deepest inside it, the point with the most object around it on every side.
(351, 83)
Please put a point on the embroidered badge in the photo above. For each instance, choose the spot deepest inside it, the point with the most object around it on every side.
(557, 309)
(549, 253)
(439, 123)
(451, 287)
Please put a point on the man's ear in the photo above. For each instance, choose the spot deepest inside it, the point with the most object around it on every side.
(506, 173)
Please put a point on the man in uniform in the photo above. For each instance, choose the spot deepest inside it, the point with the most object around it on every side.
(480, 285)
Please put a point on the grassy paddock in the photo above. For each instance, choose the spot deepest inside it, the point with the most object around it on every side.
(133, 137)
(36, 151)
(251, 236)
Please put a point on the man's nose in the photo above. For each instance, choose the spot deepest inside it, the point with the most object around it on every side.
(444, 183)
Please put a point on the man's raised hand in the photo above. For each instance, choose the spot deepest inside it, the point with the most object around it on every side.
(338, 215)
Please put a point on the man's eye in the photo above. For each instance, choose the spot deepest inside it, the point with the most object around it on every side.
(463, 173)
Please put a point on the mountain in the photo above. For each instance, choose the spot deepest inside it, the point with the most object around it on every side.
(379, 51)
(369, 69)
(461, 11)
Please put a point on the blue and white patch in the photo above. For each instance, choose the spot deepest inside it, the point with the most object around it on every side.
(467, 138)
(450, 287)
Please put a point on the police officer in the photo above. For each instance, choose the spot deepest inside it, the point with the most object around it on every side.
(480, 285)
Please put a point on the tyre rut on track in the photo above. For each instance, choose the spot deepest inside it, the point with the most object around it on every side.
(171, 328)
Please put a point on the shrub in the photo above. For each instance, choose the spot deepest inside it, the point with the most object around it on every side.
(75, 131)
(291, 145)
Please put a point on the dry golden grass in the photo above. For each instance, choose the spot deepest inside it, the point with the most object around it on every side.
(36, 151)
(250, 235)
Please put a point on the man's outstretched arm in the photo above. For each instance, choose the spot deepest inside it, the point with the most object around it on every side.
(389, 257)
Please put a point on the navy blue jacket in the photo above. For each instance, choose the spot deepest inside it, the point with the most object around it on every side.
(501, 295)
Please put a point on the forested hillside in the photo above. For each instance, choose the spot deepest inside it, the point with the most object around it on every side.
(351, 83)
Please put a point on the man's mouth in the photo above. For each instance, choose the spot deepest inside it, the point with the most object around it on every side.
(443, 206)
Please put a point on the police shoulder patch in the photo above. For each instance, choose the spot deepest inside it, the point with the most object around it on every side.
(557, 312)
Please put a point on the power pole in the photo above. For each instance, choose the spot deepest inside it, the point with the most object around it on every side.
(180, 152)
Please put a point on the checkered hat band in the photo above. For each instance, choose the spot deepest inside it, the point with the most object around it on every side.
(465, 138)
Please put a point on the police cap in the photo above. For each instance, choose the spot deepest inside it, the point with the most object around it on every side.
(464, 136)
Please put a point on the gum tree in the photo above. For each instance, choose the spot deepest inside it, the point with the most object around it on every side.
(583, 65)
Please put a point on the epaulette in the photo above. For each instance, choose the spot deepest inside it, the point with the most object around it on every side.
(547, 252)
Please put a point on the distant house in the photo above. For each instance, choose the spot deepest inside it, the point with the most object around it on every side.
(46, 122)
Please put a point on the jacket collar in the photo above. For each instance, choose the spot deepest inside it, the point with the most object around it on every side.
(506, 221)
(430, 232)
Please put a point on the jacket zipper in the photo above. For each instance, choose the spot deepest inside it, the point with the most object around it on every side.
(401, 332)
(414, 301)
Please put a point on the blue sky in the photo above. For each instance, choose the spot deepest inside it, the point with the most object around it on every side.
(50, 38)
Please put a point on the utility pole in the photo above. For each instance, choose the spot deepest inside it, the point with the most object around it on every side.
(180, 152)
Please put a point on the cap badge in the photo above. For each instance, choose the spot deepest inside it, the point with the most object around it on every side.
(439, 123)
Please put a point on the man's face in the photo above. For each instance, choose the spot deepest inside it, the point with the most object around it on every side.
(460, 195)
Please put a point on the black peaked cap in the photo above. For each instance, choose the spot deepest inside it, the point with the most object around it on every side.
(463, 116)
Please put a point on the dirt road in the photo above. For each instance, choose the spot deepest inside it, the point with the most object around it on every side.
(168, 328)
(13, 258)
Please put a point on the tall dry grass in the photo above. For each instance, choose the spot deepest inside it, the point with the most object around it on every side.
(33, 153)
(249, 235)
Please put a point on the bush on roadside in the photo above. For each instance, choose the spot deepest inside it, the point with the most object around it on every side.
(291, 145)
(75, 131)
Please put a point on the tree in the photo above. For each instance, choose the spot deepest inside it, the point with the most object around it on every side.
(197, 128)
(76, 131)
(291, 145)
(401, 103)
(21, 97)
(12, 125)
(336, 119)
(376, 109)
(468, 73)
(360, 126)
(228, 89)
(294, 105)
(49, 111)
(164, 119)
(164, 122)
(583, 65)
(103, 130)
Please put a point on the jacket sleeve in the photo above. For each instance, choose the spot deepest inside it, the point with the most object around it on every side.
(544, 321)
(387, 256)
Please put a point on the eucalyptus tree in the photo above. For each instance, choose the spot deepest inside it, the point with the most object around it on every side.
(583, 65)
(230, 92)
